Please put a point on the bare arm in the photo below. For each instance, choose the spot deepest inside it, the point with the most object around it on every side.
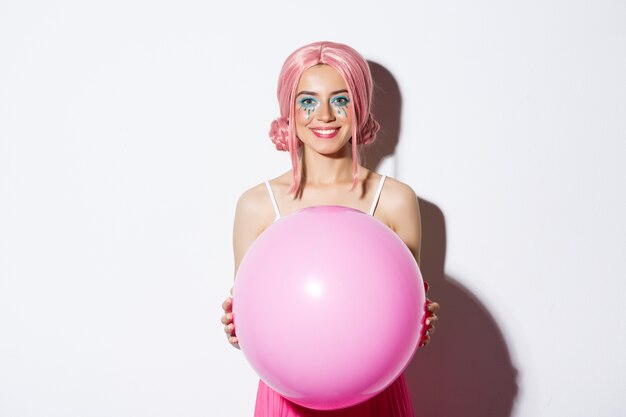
(405, 220)
(252, 217)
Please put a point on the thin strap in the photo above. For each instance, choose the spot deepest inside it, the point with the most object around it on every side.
(269, 190)
(377, 196)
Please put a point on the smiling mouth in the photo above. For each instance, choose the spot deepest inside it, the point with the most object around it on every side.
(325, 133)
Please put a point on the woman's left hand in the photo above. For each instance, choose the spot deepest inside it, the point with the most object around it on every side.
(430, 319)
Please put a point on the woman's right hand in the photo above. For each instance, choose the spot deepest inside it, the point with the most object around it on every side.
(229, 322)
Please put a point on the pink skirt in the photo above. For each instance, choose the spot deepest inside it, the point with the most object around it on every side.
(392, 402)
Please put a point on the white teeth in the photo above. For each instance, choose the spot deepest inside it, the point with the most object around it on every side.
(325, 131)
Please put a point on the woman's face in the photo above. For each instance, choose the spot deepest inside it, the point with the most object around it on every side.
(323, 110)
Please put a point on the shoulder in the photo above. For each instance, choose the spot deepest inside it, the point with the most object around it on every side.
(252, 196)
(256, 200)
(254, 208)
(397, 202)
(253, 215)
(397, 191)
(400, 211)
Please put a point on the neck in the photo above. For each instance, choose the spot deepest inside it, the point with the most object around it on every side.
(318, 169)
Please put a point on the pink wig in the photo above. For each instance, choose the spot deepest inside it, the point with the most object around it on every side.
(356, 74)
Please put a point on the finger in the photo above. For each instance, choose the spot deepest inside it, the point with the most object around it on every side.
(227, 305)
(431, 321)
(425, 342)
(428, 313)
(426, 286)
(227, 318)
(432, 306)
(230, 329)
(234, 341)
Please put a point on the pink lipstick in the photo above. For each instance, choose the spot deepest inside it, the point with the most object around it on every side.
(325, 133)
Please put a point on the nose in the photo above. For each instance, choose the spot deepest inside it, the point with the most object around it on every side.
(325, 113)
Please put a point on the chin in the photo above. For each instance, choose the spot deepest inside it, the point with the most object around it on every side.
(329, 150)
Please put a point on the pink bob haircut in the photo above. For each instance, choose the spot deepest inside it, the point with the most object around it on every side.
(357, 76)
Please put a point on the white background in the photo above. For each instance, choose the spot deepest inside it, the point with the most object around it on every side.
(129, 128)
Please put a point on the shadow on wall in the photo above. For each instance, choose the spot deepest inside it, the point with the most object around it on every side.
(387, 104)
(466, 369)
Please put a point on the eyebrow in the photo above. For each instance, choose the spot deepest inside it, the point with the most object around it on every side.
(312, 93)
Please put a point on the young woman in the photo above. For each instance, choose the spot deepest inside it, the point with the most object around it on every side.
(325, 94)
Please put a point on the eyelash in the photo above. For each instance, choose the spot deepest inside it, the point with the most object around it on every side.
(308, 103)
(338, 103)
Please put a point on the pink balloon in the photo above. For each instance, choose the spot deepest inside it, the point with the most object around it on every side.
(328, 306)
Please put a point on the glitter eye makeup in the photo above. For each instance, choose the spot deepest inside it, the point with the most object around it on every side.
(308, 104)
(341, 104)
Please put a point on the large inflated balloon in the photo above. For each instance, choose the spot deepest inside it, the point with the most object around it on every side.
(328, 306)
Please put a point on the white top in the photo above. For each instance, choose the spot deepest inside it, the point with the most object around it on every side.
(372, 208)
